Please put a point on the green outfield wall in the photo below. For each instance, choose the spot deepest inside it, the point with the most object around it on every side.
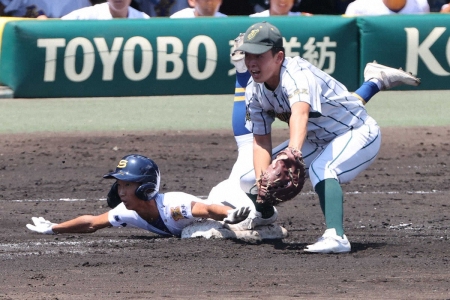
(161, 56)
(420, 44)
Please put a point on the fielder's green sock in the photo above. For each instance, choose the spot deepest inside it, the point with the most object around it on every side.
(331, 202)
(266, 210)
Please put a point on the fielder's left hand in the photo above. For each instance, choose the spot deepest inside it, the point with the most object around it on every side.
(41, 225)
(237, 215)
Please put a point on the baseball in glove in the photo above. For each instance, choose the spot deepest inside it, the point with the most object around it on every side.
(283, 179)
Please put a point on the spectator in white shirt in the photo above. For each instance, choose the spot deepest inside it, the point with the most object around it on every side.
(200, 8)
(41, 8)
(280, 8)
(387, 7)
(161, 8)
(106, 11)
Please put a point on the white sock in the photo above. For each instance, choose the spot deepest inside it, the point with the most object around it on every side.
(377, 82)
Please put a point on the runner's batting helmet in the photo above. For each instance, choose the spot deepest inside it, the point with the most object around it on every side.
(138, 168)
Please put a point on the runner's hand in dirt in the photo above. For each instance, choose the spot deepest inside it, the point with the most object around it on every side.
(237, 215)
(41, 225)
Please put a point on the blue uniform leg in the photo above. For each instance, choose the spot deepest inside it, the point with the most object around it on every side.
(367, 90)
(239, 110)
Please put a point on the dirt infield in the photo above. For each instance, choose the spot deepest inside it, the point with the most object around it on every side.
(396, 217)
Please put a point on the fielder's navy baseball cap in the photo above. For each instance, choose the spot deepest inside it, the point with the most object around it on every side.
(260, 38)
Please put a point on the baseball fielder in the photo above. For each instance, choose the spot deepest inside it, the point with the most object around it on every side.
(244, 138)
(136, 202)
(242, 171)
(327, 123)
(243, 168)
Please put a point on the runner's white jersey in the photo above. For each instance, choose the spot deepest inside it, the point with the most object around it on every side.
(174, 209)
(333, 109)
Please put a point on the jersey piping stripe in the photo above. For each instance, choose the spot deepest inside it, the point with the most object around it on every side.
(261, 113)
(344, 106)
(312, 169)
(326, 141)
(335, 104)
(326, 83)
(283, 99)
(337, 156)
(323, 128)
(343, 149)
(295, 83)
(278, 99)
(365, 162)
(309, 154)
(328, 102)
(337, 121)
(349, 170)
(267, 98)
(376, 138)
(292, 78)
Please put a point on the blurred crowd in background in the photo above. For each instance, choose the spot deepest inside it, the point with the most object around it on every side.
(217, 8)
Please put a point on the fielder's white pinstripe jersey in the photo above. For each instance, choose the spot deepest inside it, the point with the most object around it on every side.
(334, 110)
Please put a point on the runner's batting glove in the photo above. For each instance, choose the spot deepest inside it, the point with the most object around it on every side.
(237, 215)
(41, 225)
(237, 57)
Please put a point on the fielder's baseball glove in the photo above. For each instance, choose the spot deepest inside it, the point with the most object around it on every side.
(283, 179)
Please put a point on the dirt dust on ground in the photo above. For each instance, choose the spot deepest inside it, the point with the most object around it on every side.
(396, 217)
